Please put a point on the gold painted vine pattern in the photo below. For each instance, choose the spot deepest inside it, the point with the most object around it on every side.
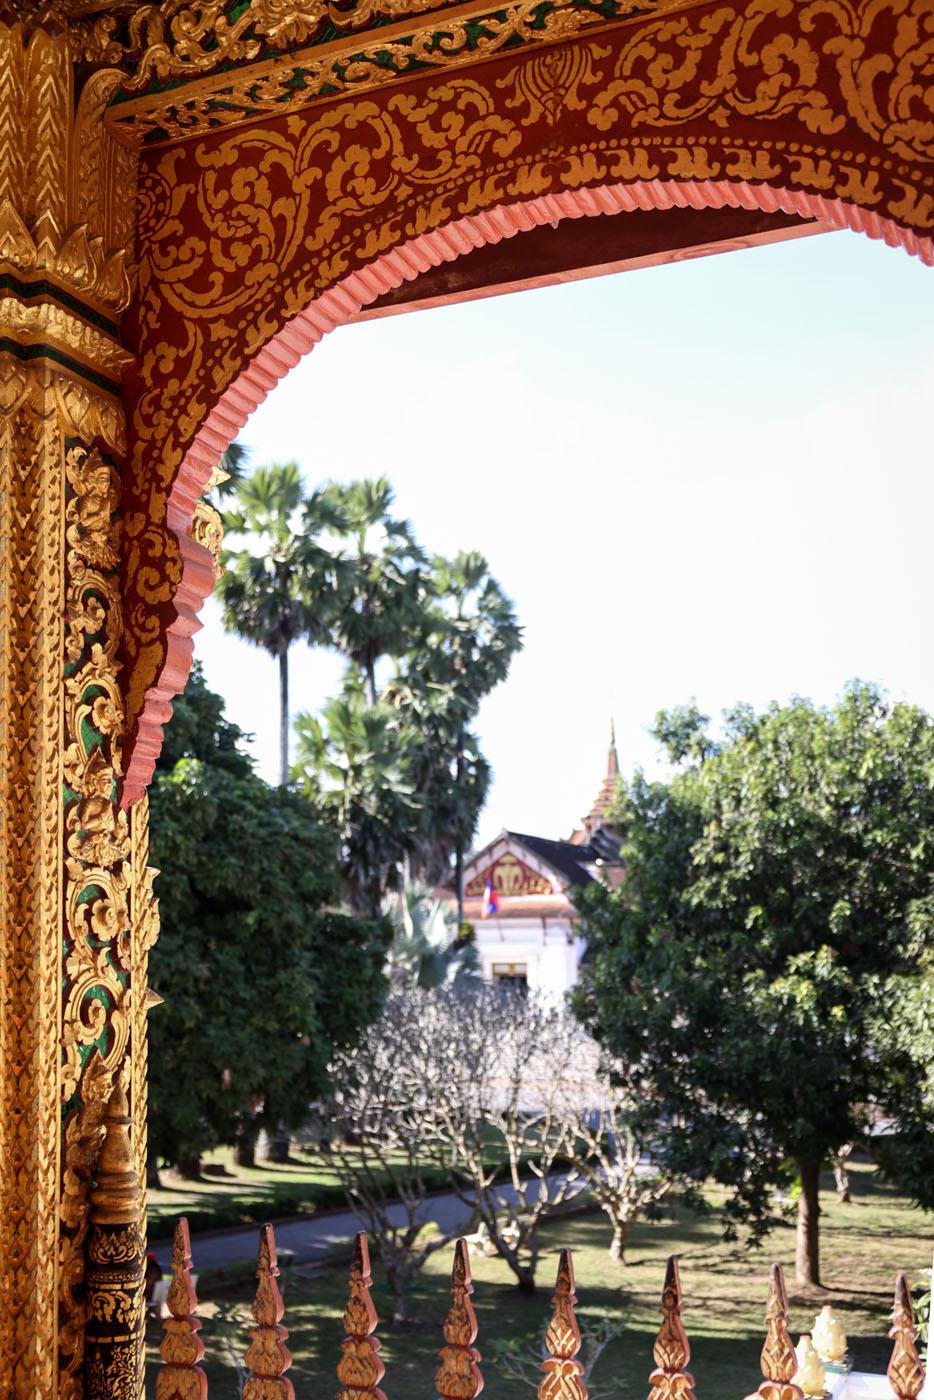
(95, 1025)
(240, 233)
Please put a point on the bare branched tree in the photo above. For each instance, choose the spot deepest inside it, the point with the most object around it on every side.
(372, 1132)
(501, 1124)
(504, 1091)
(608, 1143)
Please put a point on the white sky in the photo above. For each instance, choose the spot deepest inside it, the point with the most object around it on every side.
(706, 480)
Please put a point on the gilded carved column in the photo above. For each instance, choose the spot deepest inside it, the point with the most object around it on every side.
(76, 908)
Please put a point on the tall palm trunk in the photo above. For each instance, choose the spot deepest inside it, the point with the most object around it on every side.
(284, 717)
(459, 846)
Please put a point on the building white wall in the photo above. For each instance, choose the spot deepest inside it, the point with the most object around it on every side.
(549, 949)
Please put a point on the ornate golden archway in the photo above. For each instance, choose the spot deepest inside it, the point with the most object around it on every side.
(191, 195)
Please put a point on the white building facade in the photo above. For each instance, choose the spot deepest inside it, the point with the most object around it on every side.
(518, 894)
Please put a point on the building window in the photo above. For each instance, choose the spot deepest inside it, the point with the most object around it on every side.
(511, 975)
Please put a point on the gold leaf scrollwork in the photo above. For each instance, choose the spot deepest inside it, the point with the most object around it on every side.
(97, 962)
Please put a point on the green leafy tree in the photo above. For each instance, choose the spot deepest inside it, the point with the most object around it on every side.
(284, 584)
(778, 901)
(262, 980)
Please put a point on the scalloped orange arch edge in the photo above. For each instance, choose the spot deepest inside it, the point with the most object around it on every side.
(359, 289)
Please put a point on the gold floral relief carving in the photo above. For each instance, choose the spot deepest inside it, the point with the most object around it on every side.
(172, 41)
(468, 34)
(767, 62)
(548, 85)
(99, 963)
(31, 667)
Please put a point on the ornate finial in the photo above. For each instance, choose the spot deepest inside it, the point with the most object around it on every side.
(829, 1337)
(612, 758)
(267, 1356)
(778, 1359)
(180, 1377)
(458, 1377)
(810, 1375)
(905, 1373)
(117, 1198)
(563, 1374)
(116, 1259)
(670, 1380)
(360, 1369)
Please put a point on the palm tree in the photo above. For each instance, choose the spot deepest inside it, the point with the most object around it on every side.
(353, 762)
(422, 952)
(469, 637)
(284, 584)
(385, 586)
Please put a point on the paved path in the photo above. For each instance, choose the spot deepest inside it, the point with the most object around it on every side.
(312, 1238)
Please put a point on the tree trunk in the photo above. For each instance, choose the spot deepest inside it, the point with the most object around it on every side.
(525, 1282)
(152, 1171)
(371, 679)
(459, 847)
(280, 1143)
(807, 1256)
(841, 1176)
(618, 1242)
(245, 1145)
(189, 1166)
(284, 717)
(400, 1312)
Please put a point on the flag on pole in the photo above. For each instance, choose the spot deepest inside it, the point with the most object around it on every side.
(490, 902)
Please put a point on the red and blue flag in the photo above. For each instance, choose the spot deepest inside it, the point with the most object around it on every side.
(490, 902)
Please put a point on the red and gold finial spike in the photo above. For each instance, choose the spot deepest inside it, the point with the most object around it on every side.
(267, 1356)
(360, 1369)
(180, 1377)
(562, 1373)
(458, 1377)
(905, 1373)
(778, 1359)
(671, 1380)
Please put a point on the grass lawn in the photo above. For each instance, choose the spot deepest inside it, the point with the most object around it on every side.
(228, 1195)
(241, 1195)
(863, 1246)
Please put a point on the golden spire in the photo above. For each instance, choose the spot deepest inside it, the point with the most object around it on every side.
(360, 1369)
(458, 1377)
(612, 758)
(267, 1356)
(563, 1374)
(671, 1380)
(778, 1360)
(905, 1372)
(180, 1377)
(597, 816)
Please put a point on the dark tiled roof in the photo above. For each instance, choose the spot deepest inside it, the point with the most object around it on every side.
(604, 845)
(569, 860)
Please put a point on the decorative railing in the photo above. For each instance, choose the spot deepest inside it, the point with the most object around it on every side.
(458, 1377)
